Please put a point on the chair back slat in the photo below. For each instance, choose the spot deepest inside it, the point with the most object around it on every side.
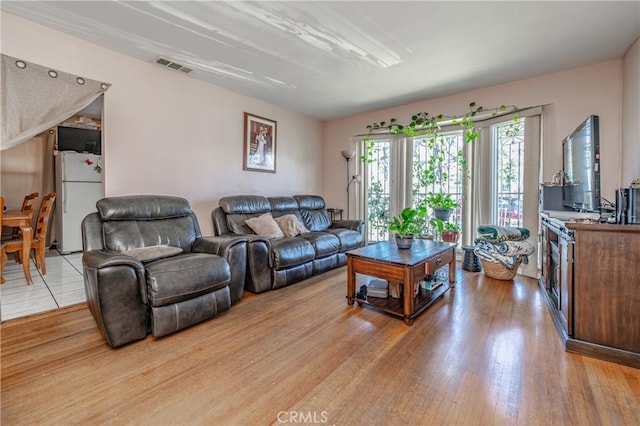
(44, 213)
(29, 202)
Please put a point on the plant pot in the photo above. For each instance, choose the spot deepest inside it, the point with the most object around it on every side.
(404, 242)
(450, 236)
(442, 213)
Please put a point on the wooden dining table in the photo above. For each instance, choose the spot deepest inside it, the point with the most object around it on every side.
(16, 218)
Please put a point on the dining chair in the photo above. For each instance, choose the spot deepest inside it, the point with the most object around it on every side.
(28, 205)
(38, 243)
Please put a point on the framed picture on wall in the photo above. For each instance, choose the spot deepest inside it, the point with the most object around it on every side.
(259, 144)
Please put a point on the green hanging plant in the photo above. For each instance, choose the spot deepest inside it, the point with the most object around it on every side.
(435, 177)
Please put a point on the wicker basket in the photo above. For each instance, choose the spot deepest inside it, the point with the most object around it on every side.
(498, 271)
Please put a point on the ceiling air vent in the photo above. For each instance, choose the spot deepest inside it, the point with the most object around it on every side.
(173, 65)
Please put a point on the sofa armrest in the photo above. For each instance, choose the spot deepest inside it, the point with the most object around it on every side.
(219, 245)
(98, 259)
(356, 225)
(259, 275)
(233, 248)
(116, 292)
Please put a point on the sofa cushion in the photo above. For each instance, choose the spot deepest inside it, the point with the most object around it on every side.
(283, 204)
(316, 220)
(174, 279)
(313, 211)
(349, 239)
(239, 208)
(290, 251)
(142, 207)
(323, 244)
(151, 253)
(291, 225)
(237, 223)
(239, 204)
(310, 202)
(123, 235)
(265, 226)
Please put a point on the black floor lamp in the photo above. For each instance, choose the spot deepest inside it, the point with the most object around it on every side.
(348, 155)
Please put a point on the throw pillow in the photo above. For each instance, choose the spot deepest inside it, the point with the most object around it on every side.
(265, 226)
(147, 254)
(291, 225)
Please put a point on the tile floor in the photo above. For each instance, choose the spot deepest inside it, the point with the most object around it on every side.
(61, 286)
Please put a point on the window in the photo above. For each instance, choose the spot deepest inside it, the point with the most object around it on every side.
(378, 190)
(509, 148)
(503, 168)
(392, 177)
(455, 143)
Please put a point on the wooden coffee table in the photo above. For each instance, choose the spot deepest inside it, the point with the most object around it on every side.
(384, 260)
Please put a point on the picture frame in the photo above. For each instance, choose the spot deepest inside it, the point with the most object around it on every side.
(260, 136)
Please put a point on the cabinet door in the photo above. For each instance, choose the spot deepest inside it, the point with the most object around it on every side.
(545, 256)
(566, 283)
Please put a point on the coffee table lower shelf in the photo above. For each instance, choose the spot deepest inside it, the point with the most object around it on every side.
(393, 306)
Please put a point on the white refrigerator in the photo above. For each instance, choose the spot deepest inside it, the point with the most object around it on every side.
(78, 187)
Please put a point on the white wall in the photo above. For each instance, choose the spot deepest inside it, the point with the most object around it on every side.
(631, 115)
(167, 133)
(569, 97)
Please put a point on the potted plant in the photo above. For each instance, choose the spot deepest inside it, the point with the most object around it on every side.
(451, 232)
(406, 224)
(448, 231)
(441, 204)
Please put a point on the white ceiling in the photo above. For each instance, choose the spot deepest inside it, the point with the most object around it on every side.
(334, 59)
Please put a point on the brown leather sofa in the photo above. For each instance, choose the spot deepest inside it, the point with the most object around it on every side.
(276, 262)
(148, 269)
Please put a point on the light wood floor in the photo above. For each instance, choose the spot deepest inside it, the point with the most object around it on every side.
(486, 353)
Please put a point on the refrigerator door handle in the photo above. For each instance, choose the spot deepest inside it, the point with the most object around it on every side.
(65, 204)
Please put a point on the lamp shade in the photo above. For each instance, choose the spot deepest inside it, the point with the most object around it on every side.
(348, 154)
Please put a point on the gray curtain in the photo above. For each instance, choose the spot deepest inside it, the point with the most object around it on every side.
(36, 98)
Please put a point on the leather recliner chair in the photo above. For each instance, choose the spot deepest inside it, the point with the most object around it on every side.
(148, 269)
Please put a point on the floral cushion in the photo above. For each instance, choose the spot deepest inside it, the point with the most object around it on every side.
(506, 248)
(508, 261)
(496, 234)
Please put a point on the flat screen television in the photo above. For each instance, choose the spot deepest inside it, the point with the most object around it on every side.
(581, 166)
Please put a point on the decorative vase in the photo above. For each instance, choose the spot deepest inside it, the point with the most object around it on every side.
(442, 213)
(404, 242)
(450, 236)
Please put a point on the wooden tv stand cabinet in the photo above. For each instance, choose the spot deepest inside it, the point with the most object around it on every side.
(591, 280)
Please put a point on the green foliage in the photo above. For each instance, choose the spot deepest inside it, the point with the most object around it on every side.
(440, 201)
(440, 225)
(409, 221)
(435, 177)
(378, 208)
(368, 156)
